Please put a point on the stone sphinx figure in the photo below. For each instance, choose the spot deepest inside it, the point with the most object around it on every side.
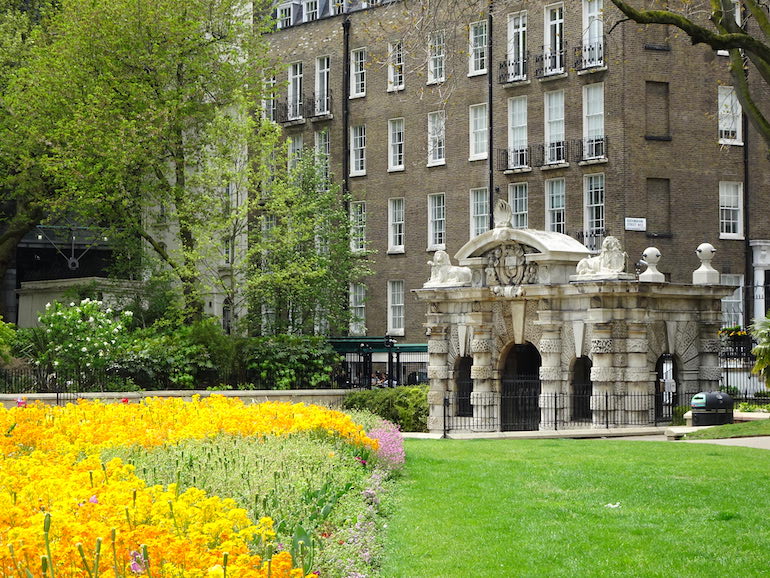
(611, 260)
(444, 274)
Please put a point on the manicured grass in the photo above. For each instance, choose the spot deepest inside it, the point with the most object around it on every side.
(481, 508)
(733, 430)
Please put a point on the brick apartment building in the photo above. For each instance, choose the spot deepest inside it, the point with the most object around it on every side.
(586, 128)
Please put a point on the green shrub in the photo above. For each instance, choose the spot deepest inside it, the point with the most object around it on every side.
(406, 406)
(677, 417)
(7, 335)
(289, 361)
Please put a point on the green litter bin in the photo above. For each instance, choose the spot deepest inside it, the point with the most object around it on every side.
(712, 408)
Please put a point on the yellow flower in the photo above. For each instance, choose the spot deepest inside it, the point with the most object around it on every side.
(217, 571)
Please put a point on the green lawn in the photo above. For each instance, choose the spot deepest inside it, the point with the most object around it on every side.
(470, 509)
(733, 430)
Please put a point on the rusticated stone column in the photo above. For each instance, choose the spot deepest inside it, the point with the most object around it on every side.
(603, 375)
(485, 401)
(709, 372)
(639, 377)
(438, 378)
(552, 402)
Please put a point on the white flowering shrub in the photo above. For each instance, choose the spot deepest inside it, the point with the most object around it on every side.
(80, 337)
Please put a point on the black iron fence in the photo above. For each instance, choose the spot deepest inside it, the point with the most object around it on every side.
(490, 411)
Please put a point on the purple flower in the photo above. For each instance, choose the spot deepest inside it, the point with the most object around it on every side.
(137, 565)
(93, 499)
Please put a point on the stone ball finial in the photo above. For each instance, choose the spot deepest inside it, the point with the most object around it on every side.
(651, 257)
(705, 274)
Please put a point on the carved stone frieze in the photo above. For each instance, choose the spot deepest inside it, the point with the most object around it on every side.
(481, 372)
(710, 373)
(549, 346)
(603, 374)
(438, 346)
(637, 345)
(438, 372)
(550, 373)
(638, 374)
(602, 346)
(481, 345)
(710, 345)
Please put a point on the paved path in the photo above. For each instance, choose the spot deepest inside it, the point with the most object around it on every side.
(650, 435)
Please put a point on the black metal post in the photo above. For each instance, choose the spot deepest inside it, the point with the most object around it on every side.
(446, 406)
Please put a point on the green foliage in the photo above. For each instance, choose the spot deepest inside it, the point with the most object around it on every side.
(762, 394)
(406, 406)
(302, 263)
(78, 337)
(181, 356)
(289, 361)
(7, 336)
(677, 417)
(761, 332)
(154, 144)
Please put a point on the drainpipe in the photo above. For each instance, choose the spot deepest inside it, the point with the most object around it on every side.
(748, 311)
(346, 108)
(490, 116)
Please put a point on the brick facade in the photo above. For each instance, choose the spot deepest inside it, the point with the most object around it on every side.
(662, 160)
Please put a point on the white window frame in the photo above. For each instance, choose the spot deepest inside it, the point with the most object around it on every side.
(436, 138)
(322, 145)
(357, 226)
(730, 116)
(310, 10)
(517, 46)
(556, 212)
(437, 57)
(295, 95)
(477, 48)
(730, 210)
(322, 104)
(594, 198)
(479, 203)
(396, 307)
(395, 144)
(732, 305)
(478, 132)
(518, 145)
(555, 143)
(518, 199)
(357, 298)
(395, 67)
(436, 222)
(553, 49)
(269, 103)
(358, 73)
(284, 16)
(396, 224)
(593, 33)
(358, 150)
(295, 150)
(594, 146)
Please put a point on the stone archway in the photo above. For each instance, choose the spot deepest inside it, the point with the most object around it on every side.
(520, 389)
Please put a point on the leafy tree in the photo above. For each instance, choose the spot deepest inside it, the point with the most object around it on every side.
(26, 194)
(302, 262)
(761, 332)
(746, 43)
(7, 335)
(145, 110)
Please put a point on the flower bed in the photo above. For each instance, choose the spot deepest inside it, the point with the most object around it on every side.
(211, 487)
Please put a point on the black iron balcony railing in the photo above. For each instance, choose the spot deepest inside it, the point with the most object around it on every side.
(513, 158)
(513, 70)
(590, 55)
(551, 61)
(321, 103)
